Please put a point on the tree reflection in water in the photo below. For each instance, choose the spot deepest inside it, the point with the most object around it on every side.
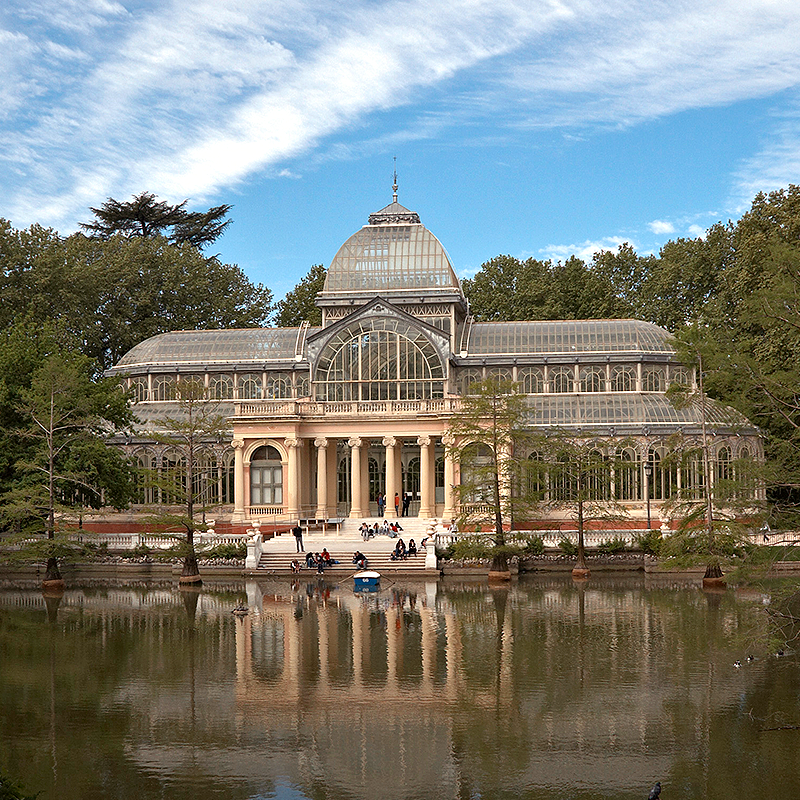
(545, 689)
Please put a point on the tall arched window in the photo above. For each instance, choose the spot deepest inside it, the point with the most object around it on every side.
(145, 477)
(664, 475)
(592, 379)
(377, 480)
(653, 379)
(627, 476)
(469, 378)
(221, 388)
(379, 359)
(164, 387)
(531, 380)
(266, 477)
(692, 474)
(561, 380)
(623, 379)
(173, 478)
(139, 390)
(250, 387)
(278, 386)
(724, 472)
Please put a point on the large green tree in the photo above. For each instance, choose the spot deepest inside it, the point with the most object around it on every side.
(113, 293)
(146, 216)
(61, 411)
(299, 304)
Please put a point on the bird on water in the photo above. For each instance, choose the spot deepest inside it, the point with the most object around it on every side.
(655, 792)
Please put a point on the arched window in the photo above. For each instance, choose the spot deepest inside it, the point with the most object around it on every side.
(664, 475)
(278, 386)
(469, 378)
(266, 477)
(592, 379)
(561, 380)
(250, 387)
(679, 376)
(379, 359)
(145, 477)
(192, 389)
(563, 479)
(531, 380)
(500, 374)
(692, 474)
(302, 386)
(653, 379)
(221, 388)
(173, 478)
(724, 471)
(439, 479)
(597, 477)
(377, 480)
(476, 470)
(411, 479)
(627, 476)
(535, 478)
(623, 379)
(139, 390)
(164, 387)
(343, 483)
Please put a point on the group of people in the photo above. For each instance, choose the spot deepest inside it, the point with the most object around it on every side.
(405, 501)
(401, 552)
(390, 529)
(317, 561)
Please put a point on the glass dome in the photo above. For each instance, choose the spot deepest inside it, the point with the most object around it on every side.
(394, 252)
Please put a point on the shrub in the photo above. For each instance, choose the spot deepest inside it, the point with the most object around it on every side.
(229, 550)
(650, 541)
(612, 547)
(568, 547)
(533, 546)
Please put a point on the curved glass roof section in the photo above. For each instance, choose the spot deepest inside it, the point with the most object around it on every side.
(624, 409)
(395, 252)
(213, 347)
(567, 337)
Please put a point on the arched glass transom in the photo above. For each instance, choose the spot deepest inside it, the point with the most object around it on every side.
(379, 359)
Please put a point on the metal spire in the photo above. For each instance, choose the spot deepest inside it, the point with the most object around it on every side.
(394, 185)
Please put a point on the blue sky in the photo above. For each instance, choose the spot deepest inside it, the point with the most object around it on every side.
(527, 127)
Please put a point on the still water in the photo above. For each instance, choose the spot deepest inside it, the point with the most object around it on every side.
(545, 690)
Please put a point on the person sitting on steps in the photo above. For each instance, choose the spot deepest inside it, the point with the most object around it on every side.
(412, 547)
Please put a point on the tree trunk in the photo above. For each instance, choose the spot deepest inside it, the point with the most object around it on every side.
(191, 571)
(52, 576)
(713, 579)
(580, 570)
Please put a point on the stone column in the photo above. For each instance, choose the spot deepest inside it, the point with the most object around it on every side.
(389, 442)
(356, 502)
(425, 474)
(449, 510)
(238, 479)
(293, 489)
(322, 478)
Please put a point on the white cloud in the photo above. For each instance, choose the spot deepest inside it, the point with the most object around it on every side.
(697, 231)
(585, 251)
(661, 227)
(188, 96)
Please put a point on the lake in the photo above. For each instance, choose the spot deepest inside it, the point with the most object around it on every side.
(544, 690)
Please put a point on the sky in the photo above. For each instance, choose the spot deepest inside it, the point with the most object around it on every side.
(539, 128)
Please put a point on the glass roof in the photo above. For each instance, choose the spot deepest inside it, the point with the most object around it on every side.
(567, 336)
(382, 258)
(213, 347)
(623, 409)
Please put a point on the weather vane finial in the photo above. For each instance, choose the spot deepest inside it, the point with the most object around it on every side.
(394, 185)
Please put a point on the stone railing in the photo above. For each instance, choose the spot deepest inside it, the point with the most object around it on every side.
(344, 408)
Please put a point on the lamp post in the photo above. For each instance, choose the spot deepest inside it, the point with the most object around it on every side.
(648, 471)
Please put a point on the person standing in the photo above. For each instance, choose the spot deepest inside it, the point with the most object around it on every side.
(298, 537)
(396, 504)
(381, 503)
(406, 503)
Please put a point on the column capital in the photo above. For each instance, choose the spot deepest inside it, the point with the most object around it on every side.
(237, 444)
(389, 441)
(355, 442)
(448, 439)
(424, 441)
(293, 442)
(321, 442)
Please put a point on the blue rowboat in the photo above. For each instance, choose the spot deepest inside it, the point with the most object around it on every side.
(367, 579)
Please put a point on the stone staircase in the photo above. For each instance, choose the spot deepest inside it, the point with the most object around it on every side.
(279, 551)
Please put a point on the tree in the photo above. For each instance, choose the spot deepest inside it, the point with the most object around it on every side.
(577, 471)
(715, 513)
(146, 216)
(195, 425)
(487, 438)
(65, 411)
(113, 293)
(298, 305)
